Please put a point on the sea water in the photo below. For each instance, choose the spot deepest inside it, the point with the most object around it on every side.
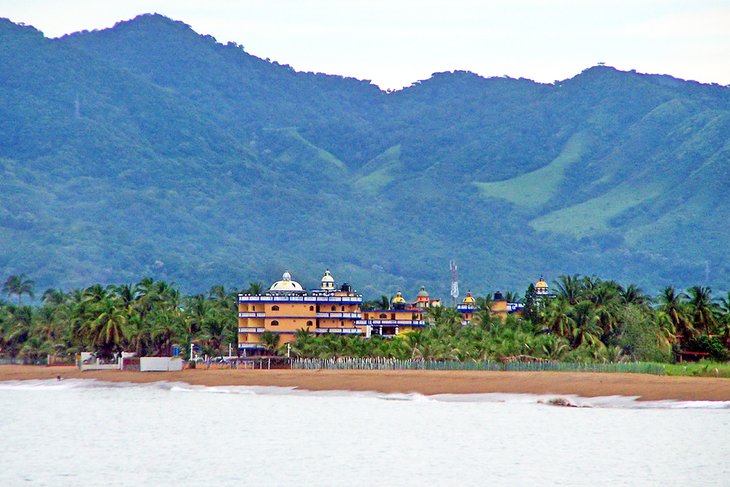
(88, 433)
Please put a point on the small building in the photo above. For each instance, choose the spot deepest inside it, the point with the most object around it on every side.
(424, 300)
(398, 319)
(287, 308)
(501, 307)
(467, 308)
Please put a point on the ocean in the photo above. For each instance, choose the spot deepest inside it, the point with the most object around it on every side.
(89, 433)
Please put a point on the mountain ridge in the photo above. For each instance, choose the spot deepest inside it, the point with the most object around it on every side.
(604, 169)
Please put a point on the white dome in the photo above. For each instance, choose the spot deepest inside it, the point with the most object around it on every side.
(286, 284)
(328, 282)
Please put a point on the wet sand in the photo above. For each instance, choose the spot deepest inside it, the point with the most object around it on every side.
(647, 387)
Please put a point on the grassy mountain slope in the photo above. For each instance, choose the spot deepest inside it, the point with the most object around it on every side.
(150, 149)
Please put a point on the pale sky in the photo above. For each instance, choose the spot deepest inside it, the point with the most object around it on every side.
(396, 42)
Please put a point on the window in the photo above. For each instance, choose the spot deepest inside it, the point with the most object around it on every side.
(274, 308)
(311, 308)
(309, 323)
(275, 323)
(253, 308)
(383, 316)
(342, 323)
(343, 308)
(334, 307)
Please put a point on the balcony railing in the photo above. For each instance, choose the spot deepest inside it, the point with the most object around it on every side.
(338, 314)
(391, 322)
(251, 329)
(251, 314)
(466, 308)
(339, 331)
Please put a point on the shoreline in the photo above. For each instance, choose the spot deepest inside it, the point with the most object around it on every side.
(427, 382)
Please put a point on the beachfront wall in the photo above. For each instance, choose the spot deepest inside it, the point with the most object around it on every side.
(89, 361)
(350, 363)
(160, 364)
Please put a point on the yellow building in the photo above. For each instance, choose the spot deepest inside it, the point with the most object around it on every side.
(400, 318)
(500, 308)
(287, 307)
(467, 308)
(542, 288)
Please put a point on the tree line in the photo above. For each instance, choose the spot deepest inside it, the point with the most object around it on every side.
(148, 317)
(588, 319)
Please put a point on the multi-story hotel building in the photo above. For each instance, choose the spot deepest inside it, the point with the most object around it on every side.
(287, 307)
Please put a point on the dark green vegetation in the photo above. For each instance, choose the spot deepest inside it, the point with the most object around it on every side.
(147, 149)
(590, 321)
(147, 318)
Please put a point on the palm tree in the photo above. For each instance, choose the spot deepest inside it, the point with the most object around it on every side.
(559, 317)
(586, 330)
(633, 295)
(724, 311)
(107, 329)
(270, 341)
(53, 296)
(512, 297)
(255, 288)
(702, 307)
(569, 288)
(19, 285)
(674, 313)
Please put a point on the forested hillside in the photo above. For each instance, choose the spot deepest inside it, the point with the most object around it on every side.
(148, 149)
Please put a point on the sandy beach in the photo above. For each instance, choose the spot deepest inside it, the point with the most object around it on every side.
(646, 387)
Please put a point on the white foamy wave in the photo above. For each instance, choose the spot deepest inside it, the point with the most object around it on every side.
(546, 400)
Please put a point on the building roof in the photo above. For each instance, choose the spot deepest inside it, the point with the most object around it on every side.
(423, 293)
(286, 284)
(328, 277)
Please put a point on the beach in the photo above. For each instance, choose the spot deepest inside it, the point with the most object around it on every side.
(428, 382)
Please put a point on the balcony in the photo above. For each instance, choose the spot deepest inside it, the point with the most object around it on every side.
(251, 329)
(390, 322)
(338, 331)
(251, 314)
(466, 308)
(339, 315)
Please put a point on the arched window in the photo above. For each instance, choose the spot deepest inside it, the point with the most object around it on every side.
(334, 307)
(311, 308)
(343, 308)
(309, 323)
(275, 323)
(383, 316)
(274, 308)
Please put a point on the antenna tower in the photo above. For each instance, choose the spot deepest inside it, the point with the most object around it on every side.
(454, 282)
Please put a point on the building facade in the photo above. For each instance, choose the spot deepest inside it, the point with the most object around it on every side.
(287, 307)
(400, 318)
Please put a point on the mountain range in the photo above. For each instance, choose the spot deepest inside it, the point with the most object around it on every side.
(149, 149)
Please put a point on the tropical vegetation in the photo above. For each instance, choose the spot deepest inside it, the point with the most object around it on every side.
(588, 320)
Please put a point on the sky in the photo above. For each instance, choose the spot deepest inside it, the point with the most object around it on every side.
(394, 43)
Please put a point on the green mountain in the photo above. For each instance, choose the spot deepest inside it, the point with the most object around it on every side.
(148, 149)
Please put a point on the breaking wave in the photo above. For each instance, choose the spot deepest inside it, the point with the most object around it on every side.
(546, 400)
